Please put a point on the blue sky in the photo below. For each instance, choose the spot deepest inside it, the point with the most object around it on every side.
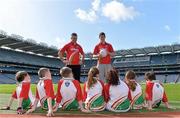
(127, 23)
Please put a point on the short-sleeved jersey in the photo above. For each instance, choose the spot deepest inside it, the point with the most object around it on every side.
(68, 89)
(23, 90)
(136, 93)
(115, 93)
(45, 89)
(155, 92)
(96, 90)
(99, 47)
(73, 49)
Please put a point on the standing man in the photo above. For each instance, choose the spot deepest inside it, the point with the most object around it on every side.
(74, 56)
(104, 52)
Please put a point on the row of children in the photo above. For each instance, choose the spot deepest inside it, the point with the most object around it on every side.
(116, 95)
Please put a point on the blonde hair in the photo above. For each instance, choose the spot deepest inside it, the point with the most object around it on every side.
(42, 72)
(65, 71)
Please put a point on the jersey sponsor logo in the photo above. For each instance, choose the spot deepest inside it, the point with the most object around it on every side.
(74, 48)
(67, 84)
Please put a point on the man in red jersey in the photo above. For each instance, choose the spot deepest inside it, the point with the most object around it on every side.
(74, 56)
(104, 52)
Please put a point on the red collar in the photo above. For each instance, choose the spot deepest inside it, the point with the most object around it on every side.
(72, 43)
(102, 43)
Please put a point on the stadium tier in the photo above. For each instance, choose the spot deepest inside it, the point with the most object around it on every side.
(18, 54)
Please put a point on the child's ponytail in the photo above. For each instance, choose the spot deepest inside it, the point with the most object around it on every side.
(93, 72)
(130, 80)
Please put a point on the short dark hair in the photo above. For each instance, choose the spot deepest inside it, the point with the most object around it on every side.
(102, 34)
(65, 71)
(20, 75)
(150, 76)
(42, 72)
(113, 77)
(74, 34)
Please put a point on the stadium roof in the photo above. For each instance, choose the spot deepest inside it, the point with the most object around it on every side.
(29, 45)
(17, 42)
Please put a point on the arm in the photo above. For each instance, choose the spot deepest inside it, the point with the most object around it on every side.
(79, 96)
(35, 103)
(103, 90)
(82, 55)
(84, 92)
(107, 86)
(48, 85)
(50, 111)
(58, 96)
(111, 51)
(24, 94)
(61, 54)
(20, 102)
(149, 87)
(165, 100)
(33, 107)
(112, 54)
(96, 53)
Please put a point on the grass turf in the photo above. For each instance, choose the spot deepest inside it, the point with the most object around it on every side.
(172, 91)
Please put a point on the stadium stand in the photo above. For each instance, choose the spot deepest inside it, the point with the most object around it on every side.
(17, 53)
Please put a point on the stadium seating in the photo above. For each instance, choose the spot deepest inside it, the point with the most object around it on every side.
(24, 58)
(167, 66)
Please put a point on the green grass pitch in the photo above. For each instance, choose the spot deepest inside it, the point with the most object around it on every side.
(172, 91)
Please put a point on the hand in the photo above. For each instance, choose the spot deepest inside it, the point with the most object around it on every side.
(81, 62)
(108, 53)
(30, 111)
(55, 108)
(50, 113)
(66, 61)
(85, 110)
(151, 109)
(100, 56)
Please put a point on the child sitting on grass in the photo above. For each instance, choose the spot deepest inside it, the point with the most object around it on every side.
(69, 93)
(44, 92)
(94, 96)
(137, 100)
(22, 93)
(117, 93)
(155, 92)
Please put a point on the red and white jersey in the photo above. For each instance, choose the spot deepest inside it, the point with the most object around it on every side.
(68, 90)
(136, 93)
(108, 47)
(155, 92)
(45, 89)
(23, 90)
(95, 91)
(116, 93)
(70, 49)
